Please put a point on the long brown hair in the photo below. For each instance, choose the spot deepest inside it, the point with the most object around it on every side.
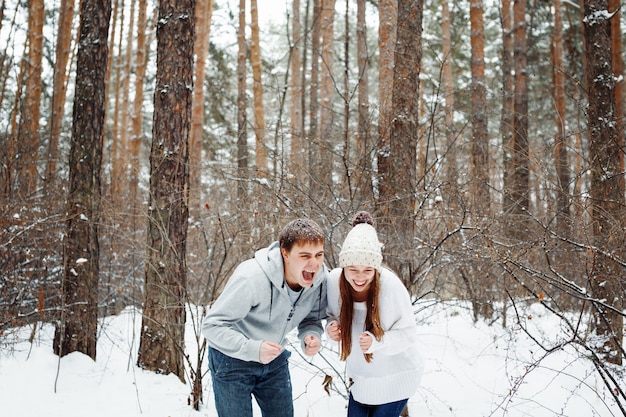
(372, 319)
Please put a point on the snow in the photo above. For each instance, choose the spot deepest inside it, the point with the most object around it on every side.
(472, 369)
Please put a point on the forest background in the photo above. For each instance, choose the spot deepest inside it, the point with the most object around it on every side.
(147, 148)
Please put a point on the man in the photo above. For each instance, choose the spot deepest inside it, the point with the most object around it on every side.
(281, 288)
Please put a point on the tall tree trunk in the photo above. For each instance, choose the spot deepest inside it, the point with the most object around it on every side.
(297, 153)
(520, 169)
(162, 342)
(323, 146)
(59, 88)
(448, 88)
(400, 183)
(28, 131)
(76, 331)
(346, 158)
(204, 14)
(109, 130)
(506, 118)
(242, 103)
(618, 69)
(479, 165)
(117, 151)
(314, 133)
(136, 135)
(479, 158)
(124, 110)
(387, 32)
(10, 169)
(607, 182)
(257, 87)
(560, 145)
(364, 137)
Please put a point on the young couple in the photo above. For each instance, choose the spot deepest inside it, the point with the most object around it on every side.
(286, 285)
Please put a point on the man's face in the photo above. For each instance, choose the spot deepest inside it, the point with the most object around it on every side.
(302, 263)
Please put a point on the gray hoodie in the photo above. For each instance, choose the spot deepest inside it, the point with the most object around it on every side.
(255, 307)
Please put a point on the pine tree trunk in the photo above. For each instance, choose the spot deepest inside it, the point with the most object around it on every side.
(387, 32)
(28, 131)
(257, 88)
(204, 13)
(76, 331)
(618, 69)
(297, 151)
(117, 150)
(123, 155)
(607, 182)
(400, 185)
(109, 130)
(479, 161)
(136, 134)
(162, 342)
(520, 170)
(242, 102)
(506, 118)
(560, 144)
(59, 89)
(322, 147)
(364, 138)
(448, 88)
(314, 92)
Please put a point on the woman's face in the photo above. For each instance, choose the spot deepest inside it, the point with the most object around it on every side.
(359, 277)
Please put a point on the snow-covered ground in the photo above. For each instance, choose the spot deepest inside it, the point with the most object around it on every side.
(472, 370)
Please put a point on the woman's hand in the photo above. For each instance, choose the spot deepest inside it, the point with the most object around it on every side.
(365, 341)
(333, 330)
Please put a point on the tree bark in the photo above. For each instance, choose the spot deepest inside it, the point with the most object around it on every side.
(560, 144)
(204, 14)
(364, 138)
(242, 103)
(387, 32)
(520, 169)
(314, 92)
(162, 342)
(399, 187)
(296, 87)
(506, 117)
(257, 88)
(323, 145)
(452, 172)
(607, 182)
(479, 165)
(59, 88)
(28, 130)
(136, 135)
(76, 331)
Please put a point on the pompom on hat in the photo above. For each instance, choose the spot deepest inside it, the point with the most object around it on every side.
(361, 246)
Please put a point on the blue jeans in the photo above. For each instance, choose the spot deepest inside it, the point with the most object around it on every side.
(356, 409)
(236, 381)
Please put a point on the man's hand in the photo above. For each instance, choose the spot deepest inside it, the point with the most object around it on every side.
(334, 331)
(269, 351)
(312, 345)
(365, 342)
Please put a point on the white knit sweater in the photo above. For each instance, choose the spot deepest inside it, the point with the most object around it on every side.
(397, 366)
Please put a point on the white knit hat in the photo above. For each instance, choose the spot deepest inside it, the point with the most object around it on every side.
(361, 247)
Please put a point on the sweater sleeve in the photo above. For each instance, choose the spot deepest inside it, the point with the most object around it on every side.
(233, 304)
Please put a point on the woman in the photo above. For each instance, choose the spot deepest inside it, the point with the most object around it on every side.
(371, 316)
